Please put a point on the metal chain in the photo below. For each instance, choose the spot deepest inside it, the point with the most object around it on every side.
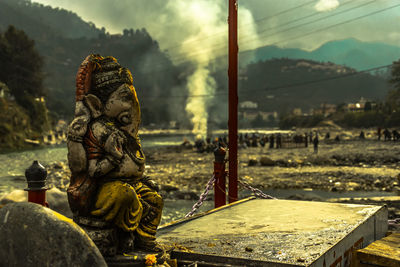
(202, 197)
(256, 192)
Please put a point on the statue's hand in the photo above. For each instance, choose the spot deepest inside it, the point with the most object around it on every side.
(113, 145)
(151, 183)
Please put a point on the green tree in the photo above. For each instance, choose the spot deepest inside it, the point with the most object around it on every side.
(395, 79)
(21, 70)
(21, 66)
(393, 96)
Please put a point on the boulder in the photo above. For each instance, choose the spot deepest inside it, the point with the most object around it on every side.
(38, 236)
(58, 201)
(14, 196)
(252, 162)
(266, 161)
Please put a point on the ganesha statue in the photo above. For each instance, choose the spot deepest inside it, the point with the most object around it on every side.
(108, 194)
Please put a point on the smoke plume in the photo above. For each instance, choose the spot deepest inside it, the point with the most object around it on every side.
(207, 20)
(194, 31)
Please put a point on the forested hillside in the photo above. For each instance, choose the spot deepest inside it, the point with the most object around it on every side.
(64, 40)
(283, 84)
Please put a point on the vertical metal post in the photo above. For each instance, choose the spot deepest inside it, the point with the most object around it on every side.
(220, 175)
(233, 101)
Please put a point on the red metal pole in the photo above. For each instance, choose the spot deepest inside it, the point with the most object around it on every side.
(233, 101)
(38, 197)
(220, 175)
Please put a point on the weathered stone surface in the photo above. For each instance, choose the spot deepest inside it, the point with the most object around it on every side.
(33, 235)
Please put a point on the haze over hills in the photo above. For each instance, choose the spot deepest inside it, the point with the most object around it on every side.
(350, 52)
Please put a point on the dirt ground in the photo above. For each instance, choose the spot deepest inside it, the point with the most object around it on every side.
(351, 165)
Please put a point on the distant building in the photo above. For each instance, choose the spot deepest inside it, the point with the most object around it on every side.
(297, 112)
(324, 109)
(248, 105)
(248, 110)
(360, 106)
(269, 115)
(250, 115)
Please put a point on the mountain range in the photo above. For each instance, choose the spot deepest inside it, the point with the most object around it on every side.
(349, 52)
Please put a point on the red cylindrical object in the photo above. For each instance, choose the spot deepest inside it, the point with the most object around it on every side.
(38, 197)
(219, 187)
(233, 101)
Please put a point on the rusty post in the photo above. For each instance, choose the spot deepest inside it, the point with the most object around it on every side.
(233, 101)
(36, 177)
(220, 174)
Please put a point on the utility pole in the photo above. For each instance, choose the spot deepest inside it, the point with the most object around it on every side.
(233, 101)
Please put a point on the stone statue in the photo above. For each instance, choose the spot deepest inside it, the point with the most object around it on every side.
(109, 196)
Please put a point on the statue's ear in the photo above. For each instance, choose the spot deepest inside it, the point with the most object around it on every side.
(94, 104)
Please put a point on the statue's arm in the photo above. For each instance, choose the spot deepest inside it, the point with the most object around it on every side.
(104, 156)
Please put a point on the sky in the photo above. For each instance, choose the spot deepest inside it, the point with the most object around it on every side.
(286, 23)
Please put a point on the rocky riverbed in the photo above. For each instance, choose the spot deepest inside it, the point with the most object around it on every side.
(182, 173)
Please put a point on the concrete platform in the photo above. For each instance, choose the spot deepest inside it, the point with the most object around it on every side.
(261, 232)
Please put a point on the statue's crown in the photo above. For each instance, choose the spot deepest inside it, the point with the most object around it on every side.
(96, 73)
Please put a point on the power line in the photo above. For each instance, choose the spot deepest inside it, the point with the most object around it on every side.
(298, 36)
(224, 32)
(280, 87)
(319, 19)
(340, 23)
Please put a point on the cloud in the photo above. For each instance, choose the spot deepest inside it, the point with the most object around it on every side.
(326, 5)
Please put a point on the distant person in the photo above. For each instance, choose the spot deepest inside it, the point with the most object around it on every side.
(279, 141)
(271, 141)
(337, 138)
(316, 141)
(362, 135)
(379, 132)
(311, 137)
(254, 140)
(247, 140)
(200, 144)
(241, 138)
(327, 136)
(396, 135)
(387, 135)
(263, 141)
(305, 140)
